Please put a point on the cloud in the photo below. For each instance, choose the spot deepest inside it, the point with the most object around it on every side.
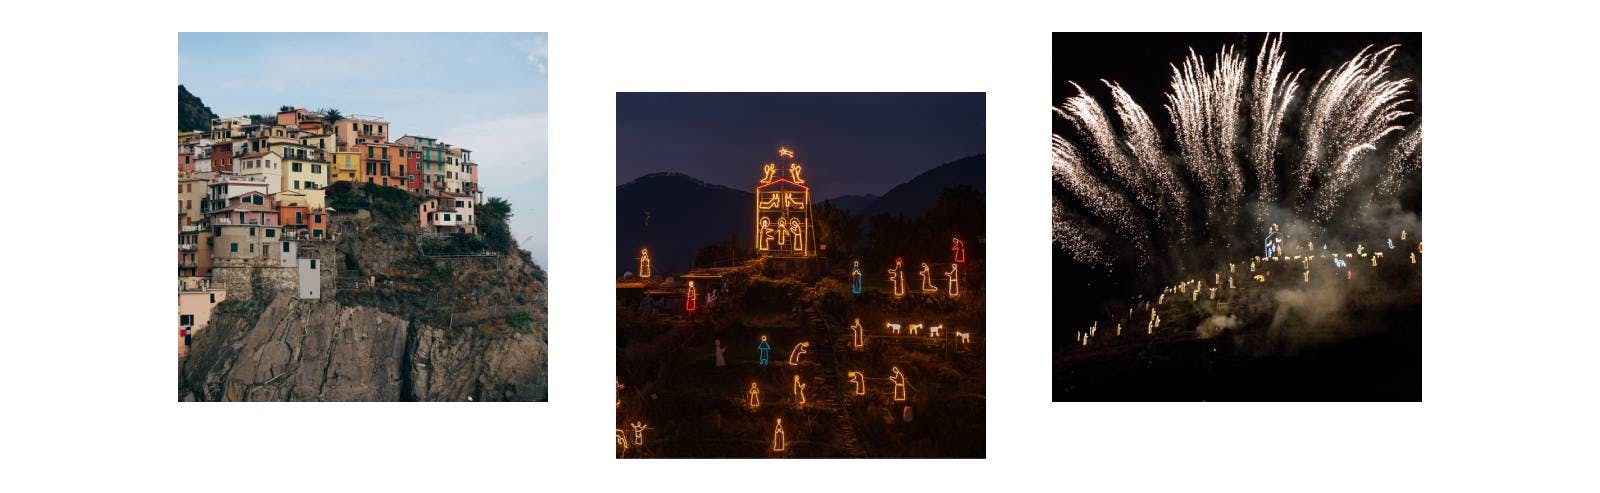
(509, 149)
(537, 50)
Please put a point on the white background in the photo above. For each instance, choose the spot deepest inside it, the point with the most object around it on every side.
(88, 374)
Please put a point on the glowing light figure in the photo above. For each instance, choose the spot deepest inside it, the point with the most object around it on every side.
(1213, 294)
(1349, 275)
(899, 380)
(797, 236)
(618, 392)
(1374, 260)
(786, 152)
(644, 263)
(1252, 266)
(721, 362)
(1218, 279)
(1196, 296)
(1308, 277)
(1402, 235)
(764, 348)
(1261, 278)
(753, 397)
(799, 390)
(934, 330)
(777, 437)
(1230, 267)
(958, 250)
(855, 277)
(764, 240)
(912, 330)
(688, 299)
(1230, 282)
(860, 382)
(857, 335)
(799, 349)
(1084, 340)
(1162, 300)
(1119, 329)
(638, 432)
(622, 440)
(767, 172)
(794, 173)
(964, 337)
(1391, 243)
(927, 279)
(1413, 257)
(1361, 249)
(1339, 262)
(893, 328)
(952, 283)
(897, 278)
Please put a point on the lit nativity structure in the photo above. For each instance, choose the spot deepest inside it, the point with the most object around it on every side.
(783, 211)
(793, 348)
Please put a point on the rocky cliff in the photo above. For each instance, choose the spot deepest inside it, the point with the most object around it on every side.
(397, 325)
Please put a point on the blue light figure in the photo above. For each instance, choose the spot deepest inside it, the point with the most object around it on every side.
(1338, 262)
(1391, 243)
(765, 348)
(1271, 245)
(855, 277)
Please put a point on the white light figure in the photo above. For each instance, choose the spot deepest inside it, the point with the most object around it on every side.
(897, 278)
(1339, 262)
(1391, 243)
(1252, 266)
(1213, 294)
(860, 382)
(1230, 282)
(934, 330)
(899, 380)
(638, 432)
(799, 390)
(927, 279)
(753, 398)
(1361, 249)
(952, 282)
(1413, 257)
(766, 235)
(893, 328)
(1196, 296)
(1402, 235)
(721, 362)
(777, 437)
(1119, 329)
(1217, 280)
(1162, 300)
(1230, 267)
(1093, 326)
(1077, 336)
(964, 337)
(644, 263)
(799, 349)
(1085, 340)
(1308, 277)
(1374, 260)
(856, 335)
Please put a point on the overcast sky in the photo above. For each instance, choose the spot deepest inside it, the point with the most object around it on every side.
(482, 91)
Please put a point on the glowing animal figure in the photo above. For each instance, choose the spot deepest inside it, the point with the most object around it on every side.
(899, 380)
(934, 330)
(860, 381)
(953, 285)
(767, 172)
(927, 279)
(799, 349)
(912, 330)
(958, 250)
(638, 432)
(1339, 262)
(856, 335)
(964, 337)
(1261, 278)
(897, 278)
(855, 277)
(644, 263)
(688, 299)
(799, 390)
(764, 348)
(777, 437)
(893, 328)
(754, 397)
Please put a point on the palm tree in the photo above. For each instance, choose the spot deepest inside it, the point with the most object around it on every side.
(331, 115)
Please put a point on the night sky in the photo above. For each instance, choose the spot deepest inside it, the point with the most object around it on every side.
(1141, 61)
(855, 143)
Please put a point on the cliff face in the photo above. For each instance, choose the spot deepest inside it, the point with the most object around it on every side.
(396, 325)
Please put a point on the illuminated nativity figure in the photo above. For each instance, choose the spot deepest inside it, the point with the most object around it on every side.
(764, 349)
(897, 277)
(958, 250)
(754, 394)
(783, 212)
(688, 299)
(927, 279)
(644, 263)
(899, 380)
(855, 277)
(951, 280)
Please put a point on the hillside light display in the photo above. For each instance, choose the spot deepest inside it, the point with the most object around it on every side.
(753, 397)
(856, 335)
(897, 277)
(855, 277)
(860, 382)
(799, 350)
(783, 212)
(952, 281)
(927, 279)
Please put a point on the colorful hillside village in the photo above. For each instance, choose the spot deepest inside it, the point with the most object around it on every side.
(252, 205)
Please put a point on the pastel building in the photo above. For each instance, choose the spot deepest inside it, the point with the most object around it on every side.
(265, 167)
(448, 213)
(196, 299)
(357, 130)
(304, 172)
(345, 167)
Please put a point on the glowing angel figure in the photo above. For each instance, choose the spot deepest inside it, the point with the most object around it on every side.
(766, 235)
(927, 279)
(764, 348)
(952, 281)
(638, 432)
(934, 331)
(644, 263)
(1213, 293)
(689, 297)
(767, 172)
(897, 277)
(893, 328)
(794, 173)
(753, 397)
(857, 335)
(899, 380)
(799, 390)
(958, 250)
(855, 277)
(777, 437)
(799, 349)
(912, 330)
(860, 382)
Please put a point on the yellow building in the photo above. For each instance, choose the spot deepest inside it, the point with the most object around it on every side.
(321, 142)
(346, 167)
(304, 171)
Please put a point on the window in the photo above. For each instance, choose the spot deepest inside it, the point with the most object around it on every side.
(252, 231)
(187, 319)
(285, 247)
(252, 248)
(298, 217)
(317, 218)
(295, 167)
(316, 168)
(233, 247)
(213, 298)
(297, 184)
(313, 263)
(272, 233)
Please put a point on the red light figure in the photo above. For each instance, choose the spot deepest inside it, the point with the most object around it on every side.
(958, 250)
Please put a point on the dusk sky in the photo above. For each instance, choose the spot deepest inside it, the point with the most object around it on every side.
(482, 91)
(849, 143)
